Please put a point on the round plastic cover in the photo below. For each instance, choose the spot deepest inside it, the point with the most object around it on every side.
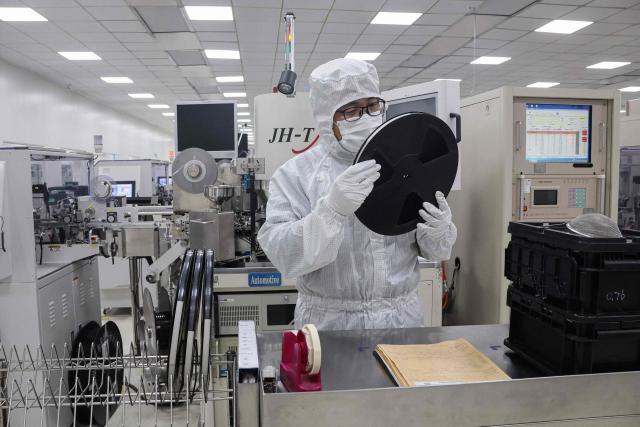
(419, 156)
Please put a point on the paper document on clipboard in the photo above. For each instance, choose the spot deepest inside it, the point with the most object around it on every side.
(447, 362)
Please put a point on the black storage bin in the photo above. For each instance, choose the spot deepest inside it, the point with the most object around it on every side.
(575, 273)
(559, 342)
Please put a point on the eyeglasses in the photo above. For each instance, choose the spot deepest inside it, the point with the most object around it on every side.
(352, 114)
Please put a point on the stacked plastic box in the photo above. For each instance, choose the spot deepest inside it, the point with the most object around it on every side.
(575, 301)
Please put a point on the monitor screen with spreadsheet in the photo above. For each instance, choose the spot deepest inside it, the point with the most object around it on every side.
(558, 133)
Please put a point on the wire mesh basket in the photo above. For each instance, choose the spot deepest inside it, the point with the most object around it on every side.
(56, 389)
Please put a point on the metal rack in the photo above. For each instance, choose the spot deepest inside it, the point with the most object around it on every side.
(131, 390)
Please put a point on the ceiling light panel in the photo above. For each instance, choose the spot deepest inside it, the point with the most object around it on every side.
(544, 85)
(363, 56)
(490, 60)
(230, 79)
(209, 13)
(80, 56)
(562, 26)
(395, 18)
(243, 105)
(141, 95)
(235, 94)
(630, 89)
(168, 114)
(158, 106)
(608, 65)
(20, 14)
(222, 54)
(116, 80)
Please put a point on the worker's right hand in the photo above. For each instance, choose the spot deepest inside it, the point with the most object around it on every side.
(352, 186)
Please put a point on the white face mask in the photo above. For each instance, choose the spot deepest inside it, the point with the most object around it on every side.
(354, 133)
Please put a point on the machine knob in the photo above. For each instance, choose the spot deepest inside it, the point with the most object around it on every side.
(67, 219)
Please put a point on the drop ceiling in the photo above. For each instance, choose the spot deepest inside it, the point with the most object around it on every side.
(153, 43)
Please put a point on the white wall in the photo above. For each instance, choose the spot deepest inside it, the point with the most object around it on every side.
(36, 111)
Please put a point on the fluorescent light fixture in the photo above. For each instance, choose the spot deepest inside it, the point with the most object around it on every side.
(168, 114)
(448, 80)
(608, 65)
(396, 18)
(243, 105)
(209, 13)
(562, 26)
(244, 114)
(244, 120)
(141, 95)
(158, 106)
(363, 56)
(630, 89)
(80, 56)
(543, 85)
(116, 79)
(234, 94)
(490, 60)
(623, 111)
(222, 54)
(230, 79)
(20, 14)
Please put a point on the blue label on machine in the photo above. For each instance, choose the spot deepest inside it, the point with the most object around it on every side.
(261, 280)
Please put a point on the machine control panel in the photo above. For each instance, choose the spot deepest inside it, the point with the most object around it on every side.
(556, 197)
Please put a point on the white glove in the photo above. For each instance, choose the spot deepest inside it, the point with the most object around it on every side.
(352, 186)
(437, 234)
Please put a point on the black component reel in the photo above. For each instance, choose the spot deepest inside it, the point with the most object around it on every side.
(419, 156)
(96, 344)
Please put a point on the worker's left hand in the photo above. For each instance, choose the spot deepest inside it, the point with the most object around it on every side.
(436, 221)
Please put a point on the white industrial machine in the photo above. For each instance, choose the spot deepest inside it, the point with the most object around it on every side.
(539, 155)
(136, 178)
(629, 194)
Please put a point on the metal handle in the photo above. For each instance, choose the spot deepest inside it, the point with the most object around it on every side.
(518, 129)
(458, 125)
(521, 197)
(603, 136)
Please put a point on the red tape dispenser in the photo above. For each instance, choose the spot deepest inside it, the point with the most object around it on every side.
(301, 359)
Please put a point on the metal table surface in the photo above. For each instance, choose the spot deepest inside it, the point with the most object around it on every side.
(349, 362)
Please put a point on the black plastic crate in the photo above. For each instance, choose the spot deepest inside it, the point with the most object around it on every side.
(558, 342)
(575, 273)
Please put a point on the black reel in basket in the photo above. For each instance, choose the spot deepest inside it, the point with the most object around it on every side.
(96, 346)
(418, 154)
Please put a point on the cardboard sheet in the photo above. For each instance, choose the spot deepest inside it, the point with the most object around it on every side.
(447, 362)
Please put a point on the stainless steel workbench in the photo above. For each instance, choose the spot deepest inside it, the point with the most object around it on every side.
(357, 391)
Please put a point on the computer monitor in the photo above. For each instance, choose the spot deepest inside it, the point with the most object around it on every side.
(210, 126)
(558, 133)
(124, 188)
(163, 181)
(414, 104)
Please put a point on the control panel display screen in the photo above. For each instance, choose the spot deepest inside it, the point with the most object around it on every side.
(545, 197)
(558, 133)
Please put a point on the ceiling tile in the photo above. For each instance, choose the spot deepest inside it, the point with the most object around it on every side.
(195, 71)
(350, 16)
(470, 25)
(601, 28)
(177, 41)
(213, 25)
(217, 36)
(625, 17)
(438, 19)
(548, 11)
(444, 45)
(95, 37)
(135, 37)
(343, 28)
(88, 26)
(163, 19)
(65, 13)
(413, 40)
(187, 57)
(111, 13)
(421, 61)
(374, 5)
(458, 6)
(124, 26)
(304, 16)
(522, 24)
(613, 3)
(590, 13)
(502, 7)
(503, 34)
(307, 4)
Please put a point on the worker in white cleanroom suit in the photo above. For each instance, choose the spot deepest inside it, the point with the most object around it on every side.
(348, 277)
